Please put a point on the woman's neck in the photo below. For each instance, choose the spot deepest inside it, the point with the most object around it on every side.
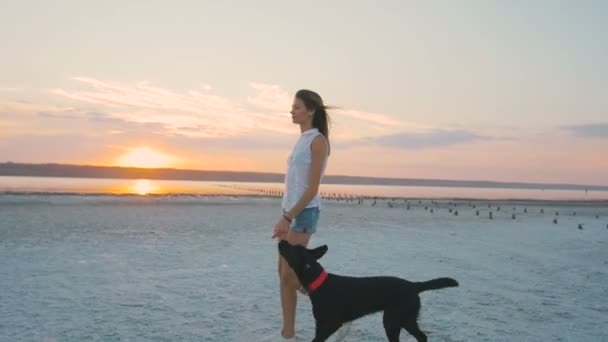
(305, 127)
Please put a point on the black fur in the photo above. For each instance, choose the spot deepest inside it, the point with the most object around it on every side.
(343, 299)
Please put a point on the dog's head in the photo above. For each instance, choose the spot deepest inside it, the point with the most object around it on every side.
(302, 260)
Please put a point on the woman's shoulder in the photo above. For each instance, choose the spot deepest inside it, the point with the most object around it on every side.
(319, 143)
(319, 139)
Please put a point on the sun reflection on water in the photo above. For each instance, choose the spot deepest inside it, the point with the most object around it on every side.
(144, 187)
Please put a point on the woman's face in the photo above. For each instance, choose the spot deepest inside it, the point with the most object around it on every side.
(299, 113)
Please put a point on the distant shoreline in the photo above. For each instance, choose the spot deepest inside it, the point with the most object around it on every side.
(413, 200)
(113, 172)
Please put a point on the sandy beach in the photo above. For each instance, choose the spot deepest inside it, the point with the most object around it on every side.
(188, 268)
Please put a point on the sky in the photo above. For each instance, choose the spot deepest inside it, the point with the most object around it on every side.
(467, 90)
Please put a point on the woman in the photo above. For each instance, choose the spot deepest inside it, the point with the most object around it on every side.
(301, 203)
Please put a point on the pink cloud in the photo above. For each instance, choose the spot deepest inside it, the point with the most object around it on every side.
(74, 96)
(195, 113)
(194, 126)
(271, 97)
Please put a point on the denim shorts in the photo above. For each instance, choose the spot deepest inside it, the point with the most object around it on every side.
(306, 221)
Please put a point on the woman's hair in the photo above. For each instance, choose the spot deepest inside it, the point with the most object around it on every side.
(320, 119)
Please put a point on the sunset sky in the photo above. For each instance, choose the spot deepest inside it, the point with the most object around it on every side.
(470, 90)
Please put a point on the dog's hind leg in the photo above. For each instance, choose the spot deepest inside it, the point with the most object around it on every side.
(392, 325)
(412, 327)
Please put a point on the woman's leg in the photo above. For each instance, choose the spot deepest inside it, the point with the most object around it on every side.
(289, 284)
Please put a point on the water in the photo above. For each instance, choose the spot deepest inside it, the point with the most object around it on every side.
(148, 187)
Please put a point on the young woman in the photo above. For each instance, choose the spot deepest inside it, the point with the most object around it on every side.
(301, 203)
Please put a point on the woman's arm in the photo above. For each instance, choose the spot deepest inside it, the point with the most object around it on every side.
(319, 153)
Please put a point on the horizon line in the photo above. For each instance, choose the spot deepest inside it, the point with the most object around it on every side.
(450, 182)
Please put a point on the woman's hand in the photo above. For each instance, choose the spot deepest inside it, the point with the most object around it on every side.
(281, 228)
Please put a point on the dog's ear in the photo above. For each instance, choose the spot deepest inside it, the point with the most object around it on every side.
(318, 252)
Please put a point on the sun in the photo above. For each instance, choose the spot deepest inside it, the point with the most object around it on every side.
(144, 157)
(144, 187)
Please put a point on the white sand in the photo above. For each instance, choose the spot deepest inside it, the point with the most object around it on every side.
(110, 268)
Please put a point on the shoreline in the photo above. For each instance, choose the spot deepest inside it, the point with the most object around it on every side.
(344, 200)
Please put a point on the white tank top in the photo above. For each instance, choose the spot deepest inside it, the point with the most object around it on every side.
(298, 169)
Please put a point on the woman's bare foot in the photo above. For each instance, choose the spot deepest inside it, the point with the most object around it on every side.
(288, 337)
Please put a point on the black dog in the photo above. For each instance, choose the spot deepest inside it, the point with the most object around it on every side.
(338, 299)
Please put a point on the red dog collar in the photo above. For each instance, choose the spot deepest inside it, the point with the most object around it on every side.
(318, 282)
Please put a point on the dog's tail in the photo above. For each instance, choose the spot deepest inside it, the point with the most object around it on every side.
(435, 284)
